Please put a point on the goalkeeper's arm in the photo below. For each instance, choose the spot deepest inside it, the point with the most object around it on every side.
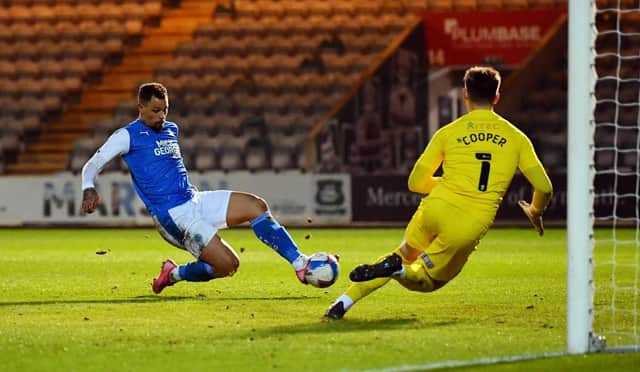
(542, 193)
(421, 179)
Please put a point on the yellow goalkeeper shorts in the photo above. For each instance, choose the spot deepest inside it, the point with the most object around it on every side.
(446, 234)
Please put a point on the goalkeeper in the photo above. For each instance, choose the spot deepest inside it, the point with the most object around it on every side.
(479, 153)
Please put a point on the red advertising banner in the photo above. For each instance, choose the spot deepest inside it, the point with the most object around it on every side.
(467, 38)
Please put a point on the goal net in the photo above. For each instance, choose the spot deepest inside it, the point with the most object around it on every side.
(617, 176)
(607, 278)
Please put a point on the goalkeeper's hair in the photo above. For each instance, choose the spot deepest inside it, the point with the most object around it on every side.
(149, 90)
(482, 83)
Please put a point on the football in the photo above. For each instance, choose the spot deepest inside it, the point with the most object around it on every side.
(322, 270)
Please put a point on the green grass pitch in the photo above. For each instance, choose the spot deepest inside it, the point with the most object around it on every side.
(65, 307)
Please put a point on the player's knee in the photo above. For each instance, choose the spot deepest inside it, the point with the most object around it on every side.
(254, 205)
(429, 286)
(260, 204)
(227, 266)
(437, 284)
(423, 285)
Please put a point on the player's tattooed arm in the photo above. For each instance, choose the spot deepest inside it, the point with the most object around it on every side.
(90, 199)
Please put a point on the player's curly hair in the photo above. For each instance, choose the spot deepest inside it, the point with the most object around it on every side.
(482, 83)
(148, 90)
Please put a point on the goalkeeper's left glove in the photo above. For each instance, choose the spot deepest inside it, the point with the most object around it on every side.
(534, 215)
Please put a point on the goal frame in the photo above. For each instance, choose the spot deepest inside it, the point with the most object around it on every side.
(580, 175)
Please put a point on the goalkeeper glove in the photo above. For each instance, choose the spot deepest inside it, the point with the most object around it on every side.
(534, 215)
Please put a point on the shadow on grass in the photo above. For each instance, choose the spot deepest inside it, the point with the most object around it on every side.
(347, 325)
(153, 299)
(138, 299)
(265, 298)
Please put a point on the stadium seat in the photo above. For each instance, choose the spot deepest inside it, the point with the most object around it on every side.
(77, 161)
(31, 124)
(299, 158)
(515, 4)
(247, 9)
(543, 3)
(344, 8)
(256, 61)
(231, 159)
(3, 162)
(628, 116)
(604, 159)
(295, 8)
(439, 5)
(630, 161)
(257, 155)
(205, 156)
(103, 128)
(282, 158)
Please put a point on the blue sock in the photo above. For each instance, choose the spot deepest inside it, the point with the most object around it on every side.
(196, 271)
(275, 236)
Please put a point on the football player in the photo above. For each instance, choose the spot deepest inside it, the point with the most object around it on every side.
(479, 154)
(187, 218)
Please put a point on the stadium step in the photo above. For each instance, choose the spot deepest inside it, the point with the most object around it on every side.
(82, 117)
(86, 126)
(85, 111)
(197, 4)
(144, 66)
(63, 136)
(180, 23)
(43, 157)
(122, 85)
(50, 147)
(98, 100)
(78, 122)
(160, 44)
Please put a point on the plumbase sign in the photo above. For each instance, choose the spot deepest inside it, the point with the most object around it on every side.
(55, 200)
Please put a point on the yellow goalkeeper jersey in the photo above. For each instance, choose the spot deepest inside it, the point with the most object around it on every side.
(479, 153)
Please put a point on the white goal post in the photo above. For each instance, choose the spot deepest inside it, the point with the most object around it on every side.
(580, 176)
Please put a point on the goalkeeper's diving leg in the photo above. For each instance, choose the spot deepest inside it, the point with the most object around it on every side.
(367, 278)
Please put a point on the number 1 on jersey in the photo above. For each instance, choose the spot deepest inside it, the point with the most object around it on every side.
(484, 170)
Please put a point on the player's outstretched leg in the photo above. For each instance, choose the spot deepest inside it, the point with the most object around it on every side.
(353, 294)
(249, 207)
(337, 310)
(171, 273)
(389, 266)
(359, 290)
(271, 233)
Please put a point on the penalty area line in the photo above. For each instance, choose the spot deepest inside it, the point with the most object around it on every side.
(462, 363)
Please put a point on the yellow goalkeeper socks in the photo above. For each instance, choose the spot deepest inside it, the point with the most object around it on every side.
(359, 290)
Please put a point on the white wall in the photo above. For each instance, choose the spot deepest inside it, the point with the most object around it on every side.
(292, 196)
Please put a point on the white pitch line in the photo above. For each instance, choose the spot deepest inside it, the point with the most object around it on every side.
(462, 363)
